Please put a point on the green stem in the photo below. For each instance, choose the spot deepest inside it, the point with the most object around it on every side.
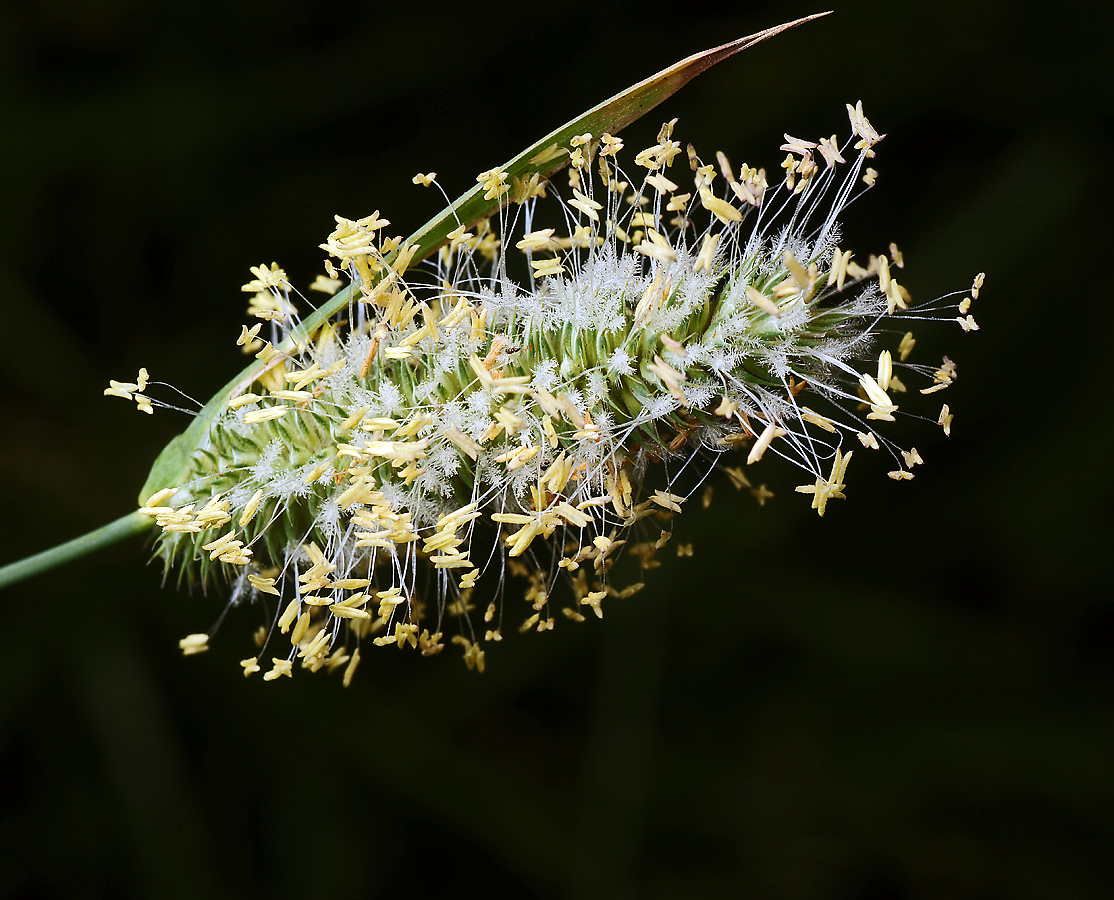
(124, 527)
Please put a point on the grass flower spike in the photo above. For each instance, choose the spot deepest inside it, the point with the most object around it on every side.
(457, 429)
(492, 424)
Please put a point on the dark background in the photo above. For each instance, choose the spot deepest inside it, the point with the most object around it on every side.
(909, 698)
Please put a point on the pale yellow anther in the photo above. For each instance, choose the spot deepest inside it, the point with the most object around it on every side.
(906, 346)
(214, 514)
(829, 149)
(868, 440)
(159, 496)
(912, 457)
(318, 471)
(838, 273)
(510, 422)
(458, 517)
(317, 646)
(703, 178)
(194, 643)
(521, 539)
(348, 612)
(405, 256)
(796, 271)
(798, 146)
(243, 400)
(585, 204)
(442, 541)
(667, 500)
(121, 389)
(538, 240)
(861, 127)
(462, 441)
(884, 274)
(265, 415)
(217, 547)
(881, 405)
(721, 209)
(727, 407)
(526, 188)
(897, 296)
(250, 666)
(885, 369)
(267, 352)
(670, 377)
(945, 420)
(830, 489)
(653, 298)
(266, 279)
(350, 670)
(458, 236)
(790, 166)
(763, 302)
(315, 600)
(380, 424)
(550, 153)
(473, 656)
(707, 252)
(326, 285)
(288, 616)
(248, 334)
(767, 437)
(494, 183)
(292, 396)
(678, 203)
(518, 457)
(662, 184)
(300, 628)
(550, 431)
(175, 520)
(263, 584)
(424, 179)
(547, 267)
(279, 667)
(236, 556)
(657, 248)
(610, 146)
(815, 418)
(581, 237)
(594, 599)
